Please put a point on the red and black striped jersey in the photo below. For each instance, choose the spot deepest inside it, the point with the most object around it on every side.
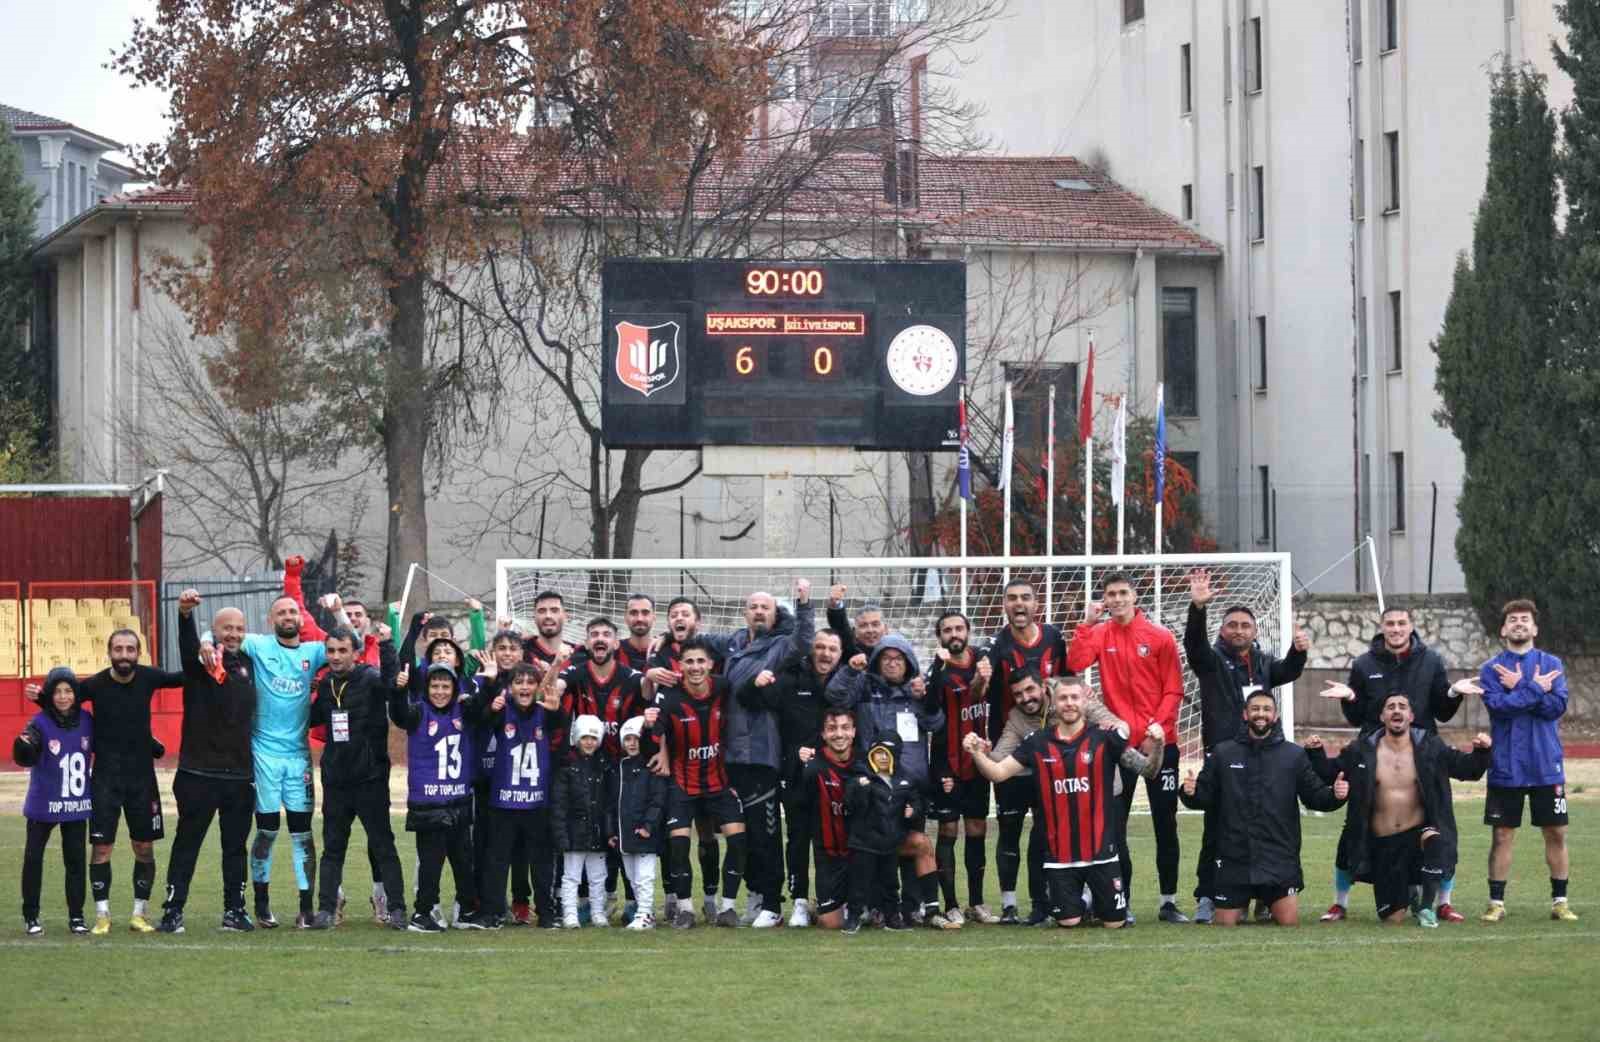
(1075, 779)
(964, 714)
(694, 730)
(587, 692)
(666, 657)
(631, 656)
(1047, 654)
(824, 780)
(624, 700)
(533, 651)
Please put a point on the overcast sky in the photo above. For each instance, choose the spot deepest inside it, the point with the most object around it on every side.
(52, 57)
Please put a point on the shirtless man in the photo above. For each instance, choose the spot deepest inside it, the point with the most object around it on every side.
(1400, 820)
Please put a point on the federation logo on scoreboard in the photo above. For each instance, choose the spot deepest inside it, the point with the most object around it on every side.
(649, 358)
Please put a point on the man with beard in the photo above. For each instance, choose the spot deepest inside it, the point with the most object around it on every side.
(821, 799)
(794, 692)
(123, 784)
(1401, 820)
(754, 750)
(640, 618)
(1250, 783)
(959, 685)
(549, 621)
(1397, 660)
(665, 670)
(1229, 671)
(1074, 771)
(869, 626)
(602, 688)
(1025, 644)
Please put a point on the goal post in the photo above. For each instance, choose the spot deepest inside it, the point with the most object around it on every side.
(913, 591)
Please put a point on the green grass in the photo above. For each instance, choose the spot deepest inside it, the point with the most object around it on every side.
(1527, 978)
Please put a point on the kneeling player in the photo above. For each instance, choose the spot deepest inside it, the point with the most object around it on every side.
(821, 799)
(1074, 770)
(1249, 785)
(692, 720)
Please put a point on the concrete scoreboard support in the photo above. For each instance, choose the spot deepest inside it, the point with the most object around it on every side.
(777, 468)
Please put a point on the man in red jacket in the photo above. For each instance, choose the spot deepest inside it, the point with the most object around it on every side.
(1142, 683)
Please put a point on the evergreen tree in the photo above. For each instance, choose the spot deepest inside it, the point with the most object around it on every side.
(1520, 534)
(24, 401)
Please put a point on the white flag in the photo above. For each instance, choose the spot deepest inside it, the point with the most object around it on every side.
(1119, 450)
(1007, 442)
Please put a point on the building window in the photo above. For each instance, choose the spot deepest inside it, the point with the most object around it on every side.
(1361, 178)
(1180, 355)
(1185, 81)
(1391, 175)
(1227, 63)
(1252, 56)
(1189, 461)
(1361, 338)
(1132, 11)
(1258, 336)
(1357, 45)
(1391, 24)
(1396, 355)
(1030, 396)
(1397, 465)
(1264, 498)
(1187, 193)
(1258, 203)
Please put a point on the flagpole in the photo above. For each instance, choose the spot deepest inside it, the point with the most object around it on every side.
(961, 495)
(1050, 499)
(1159, 461)
(1005, 476)
(1119, 455)
(1086, 435)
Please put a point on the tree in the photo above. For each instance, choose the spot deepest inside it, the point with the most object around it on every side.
(1521, 533)
(357, 156)
(24, 395)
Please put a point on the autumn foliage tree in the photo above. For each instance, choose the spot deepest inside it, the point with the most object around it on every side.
(345, 156)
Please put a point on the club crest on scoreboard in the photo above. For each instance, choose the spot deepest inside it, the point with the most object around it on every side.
(649, 358)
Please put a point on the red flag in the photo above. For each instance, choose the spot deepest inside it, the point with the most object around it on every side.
(1086, 404)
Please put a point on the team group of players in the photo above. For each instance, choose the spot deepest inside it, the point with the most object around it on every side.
(562, 770)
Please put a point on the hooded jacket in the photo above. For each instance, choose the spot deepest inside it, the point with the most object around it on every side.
(25, 747)
(59, 747)
(360, 698)
(1436, 762)
(796, 696)
(1527, 740)
(1250, 785)
(875, 806)
(1225, 677)
(636, 798)
(883, 709)
(753, 738)
(1419, 673)
(579, 811)
(217, 714)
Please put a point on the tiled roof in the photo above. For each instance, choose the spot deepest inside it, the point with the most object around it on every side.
(982, 199)
(22, 119)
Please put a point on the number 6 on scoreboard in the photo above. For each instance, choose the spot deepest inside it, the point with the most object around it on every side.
(744, 362)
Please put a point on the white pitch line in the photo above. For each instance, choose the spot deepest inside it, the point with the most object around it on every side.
(1392, 936)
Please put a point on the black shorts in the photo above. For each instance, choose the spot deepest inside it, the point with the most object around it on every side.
(1396, 867)
(1238, 897)
(1547, 805)
(1013, 798)
(683, 810)
(130, 794)
(832, 882)
(969, 799)
(1065, 887)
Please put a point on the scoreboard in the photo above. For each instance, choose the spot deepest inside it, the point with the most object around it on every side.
(863, 354)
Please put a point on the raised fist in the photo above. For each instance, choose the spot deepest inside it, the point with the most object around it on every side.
(805, 753)
(1188, 783)
(858, 662)
(1302, 641)
(651, 714)
(802, 590)
(188, 601)
(382, 632)
(836, 593)
(765, 678)
(1093, 611)
(473, 604)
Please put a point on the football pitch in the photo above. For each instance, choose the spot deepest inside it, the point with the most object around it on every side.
(1526, 978)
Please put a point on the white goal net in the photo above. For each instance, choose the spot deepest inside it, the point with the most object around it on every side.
(913, 592)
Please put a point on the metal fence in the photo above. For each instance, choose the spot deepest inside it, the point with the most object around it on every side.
(252, 595)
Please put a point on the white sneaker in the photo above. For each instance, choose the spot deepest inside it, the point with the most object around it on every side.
(954, 915)
(438, 915)
(801, 916)
(642, 921)
(766, 920)
(569, 921)
(752, 909)
(981, 914)
(598, 915)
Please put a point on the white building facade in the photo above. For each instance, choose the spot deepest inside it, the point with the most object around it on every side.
(1336, 149)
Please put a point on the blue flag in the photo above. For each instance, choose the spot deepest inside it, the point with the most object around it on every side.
(1159, 460)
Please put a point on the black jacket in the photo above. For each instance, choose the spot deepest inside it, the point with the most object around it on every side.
(578, 805)
(879, 708)
(752, 734)
(1251, 785)
(839, 622)
(636, 799)
(876, 808)
(1420, 673)
(364, 695)
(1223, 677)
(1436, 761)
(797, 699)
(217, 717)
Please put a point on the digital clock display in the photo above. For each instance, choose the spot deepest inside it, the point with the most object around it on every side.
(783, 282)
